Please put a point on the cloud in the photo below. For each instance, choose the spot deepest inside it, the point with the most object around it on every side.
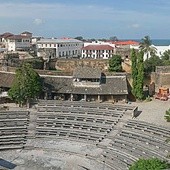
(38, 21)
(134, 26)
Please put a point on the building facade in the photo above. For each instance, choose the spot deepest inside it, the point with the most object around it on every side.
(11, 42)
(59, 48)
(86, 83)
(98, 51)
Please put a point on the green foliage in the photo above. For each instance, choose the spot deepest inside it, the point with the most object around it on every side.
(140, 77)
(137, 74)
(149, 164)
(37, 63)
(166, 55)
(167, 115)
(148, 99)
(115, 64)
(151, 63)
(134, 70)
(27, 85)
(145, 46)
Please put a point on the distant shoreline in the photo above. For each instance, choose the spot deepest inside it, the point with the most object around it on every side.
(158, 42)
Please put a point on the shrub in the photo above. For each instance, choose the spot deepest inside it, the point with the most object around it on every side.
(167, 115)
(149, 164)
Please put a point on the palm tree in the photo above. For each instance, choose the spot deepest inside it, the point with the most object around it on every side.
(146, 46)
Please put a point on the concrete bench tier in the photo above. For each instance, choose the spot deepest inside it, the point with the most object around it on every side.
(77, 134)
(149, 140)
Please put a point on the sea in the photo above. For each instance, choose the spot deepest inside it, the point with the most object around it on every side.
(158, 42)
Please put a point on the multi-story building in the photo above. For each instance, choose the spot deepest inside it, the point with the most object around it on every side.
(11, 42)
(98, 51)
(59, 48)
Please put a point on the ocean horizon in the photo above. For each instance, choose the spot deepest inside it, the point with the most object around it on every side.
(158, 42)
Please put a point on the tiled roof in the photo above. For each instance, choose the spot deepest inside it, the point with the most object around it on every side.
(16, 37)
(87, 72)
(115, 85)
(6, 79)
(26, 32)
(129, 42)
(58, 40)
(6, 34)
(98, 47)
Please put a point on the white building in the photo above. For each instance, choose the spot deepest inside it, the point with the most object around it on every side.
(16, 42)
(161, 49)
(98, 50)
(59, 48)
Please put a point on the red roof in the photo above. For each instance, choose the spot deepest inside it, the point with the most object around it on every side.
(98, 47)
(6, 34)
(16, 37)
(129, 42)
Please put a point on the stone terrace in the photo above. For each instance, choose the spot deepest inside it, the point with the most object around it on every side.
(86, 135)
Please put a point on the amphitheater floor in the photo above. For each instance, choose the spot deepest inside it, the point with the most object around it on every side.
(50, 154)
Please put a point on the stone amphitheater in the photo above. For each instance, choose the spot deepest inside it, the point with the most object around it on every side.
(65, 135)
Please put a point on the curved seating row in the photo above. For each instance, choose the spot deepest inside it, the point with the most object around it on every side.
(13, 129)
(148, 128)
(84, 104)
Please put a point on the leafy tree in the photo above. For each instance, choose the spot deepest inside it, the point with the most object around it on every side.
(140, 77)
(166, 55)
(79, 38)
(114, 38)
(115, 63)
(27, 85)
(151, 63)
(149, 164)
(166, 58)
(167, 115)
(134, 71)
(137, 74)
(146, 46)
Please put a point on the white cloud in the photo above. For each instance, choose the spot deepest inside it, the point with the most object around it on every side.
(134, 26)
(69, 11)
(38, 21)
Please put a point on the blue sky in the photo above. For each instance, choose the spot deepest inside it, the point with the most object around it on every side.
(126, 19)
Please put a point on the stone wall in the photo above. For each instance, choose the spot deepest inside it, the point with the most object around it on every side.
(162, 69)
(68, 65)
(160, 80)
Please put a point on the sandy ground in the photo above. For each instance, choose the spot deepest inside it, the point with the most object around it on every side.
(153, 112)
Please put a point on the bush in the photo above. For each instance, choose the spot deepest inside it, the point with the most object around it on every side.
(167, 115)
(150, 164)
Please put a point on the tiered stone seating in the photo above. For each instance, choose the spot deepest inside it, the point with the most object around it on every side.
(88, 105)
(116, 158)
(155, 130)
(78, 120)
(137, 140)
(13, 129)
(92, 128)
(81, 111)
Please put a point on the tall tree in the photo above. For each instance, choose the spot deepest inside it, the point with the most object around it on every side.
(146, 46)
(140, 77)
(115, 63)
(151, 63)
(134, 71)
(27, 85)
